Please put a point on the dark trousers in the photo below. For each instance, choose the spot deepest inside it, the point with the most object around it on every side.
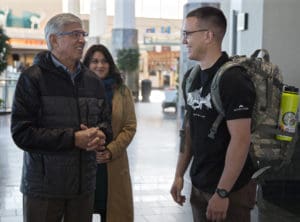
(58, 210)
(240, 204)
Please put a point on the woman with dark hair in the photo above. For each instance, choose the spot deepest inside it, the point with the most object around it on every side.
(113, 197)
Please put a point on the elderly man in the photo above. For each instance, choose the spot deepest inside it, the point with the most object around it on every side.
(60, 118)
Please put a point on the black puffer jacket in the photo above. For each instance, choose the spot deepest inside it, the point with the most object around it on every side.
(48, 109)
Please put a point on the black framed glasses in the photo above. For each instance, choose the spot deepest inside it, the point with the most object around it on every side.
(186, 34)
(75, 34)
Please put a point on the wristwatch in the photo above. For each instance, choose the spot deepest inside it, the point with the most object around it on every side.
(222, 193)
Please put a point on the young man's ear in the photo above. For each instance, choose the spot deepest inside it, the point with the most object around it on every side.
(209, 35)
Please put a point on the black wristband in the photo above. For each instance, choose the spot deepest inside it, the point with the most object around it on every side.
(222, 193)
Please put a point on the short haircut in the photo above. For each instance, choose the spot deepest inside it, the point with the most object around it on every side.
(56, 24)
(213, 17)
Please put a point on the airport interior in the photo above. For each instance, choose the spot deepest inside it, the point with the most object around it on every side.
(154, 28)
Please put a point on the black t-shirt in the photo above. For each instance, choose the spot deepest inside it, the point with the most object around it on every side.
(237, 96)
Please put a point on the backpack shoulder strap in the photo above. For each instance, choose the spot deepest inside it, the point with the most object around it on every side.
(188, 80)
(186, 85)
(216, 96)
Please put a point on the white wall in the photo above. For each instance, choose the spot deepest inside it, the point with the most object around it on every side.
(251, 39)
(226, 44)
(275, 26)
(282, 35)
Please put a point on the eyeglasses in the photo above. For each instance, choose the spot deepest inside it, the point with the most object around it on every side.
(75, 34)
(186, 34)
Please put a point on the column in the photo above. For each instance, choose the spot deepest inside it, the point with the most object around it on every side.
(124, 33)
(97, 21)
(125, 36)
(73, 6)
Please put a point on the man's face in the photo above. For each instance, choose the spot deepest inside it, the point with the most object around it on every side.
(194, 36)
(69, 43)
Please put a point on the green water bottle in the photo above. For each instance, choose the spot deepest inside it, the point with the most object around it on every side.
(288, 112)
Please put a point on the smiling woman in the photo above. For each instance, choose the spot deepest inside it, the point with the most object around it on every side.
(113, 195)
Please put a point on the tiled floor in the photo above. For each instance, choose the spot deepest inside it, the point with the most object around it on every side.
(152, 155)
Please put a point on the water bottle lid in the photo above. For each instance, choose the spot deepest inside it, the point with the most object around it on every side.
(291, 89)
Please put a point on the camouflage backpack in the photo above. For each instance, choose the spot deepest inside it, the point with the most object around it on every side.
(266, 151)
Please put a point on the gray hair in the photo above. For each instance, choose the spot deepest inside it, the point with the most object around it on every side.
(57, 23)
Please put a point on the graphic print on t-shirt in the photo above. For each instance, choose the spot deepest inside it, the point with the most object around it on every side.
(195, 100)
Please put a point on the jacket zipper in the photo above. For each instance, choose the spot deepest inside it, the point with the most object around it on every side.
(75, 86)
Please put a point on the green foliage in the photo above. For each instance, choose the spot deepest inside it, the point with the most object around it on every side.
(128, 59)
(1, 103)
(4, 49)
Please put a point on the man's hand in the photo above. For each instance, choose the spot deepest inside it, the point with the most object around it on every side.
(90, 138)
(103, 156)
(176, 191)
(98, 142)
(217, 208)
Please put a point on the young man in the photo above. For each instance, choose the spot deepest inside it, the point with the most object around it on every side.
(59, 119)
(221, 169)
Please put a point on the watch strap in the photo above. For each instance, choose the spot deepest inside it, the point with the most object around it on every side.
(222, 193)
